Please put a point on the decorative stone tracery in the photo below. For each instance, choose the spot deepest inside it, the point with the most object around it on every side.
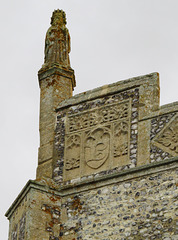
(97, 138)
(121, 131)
(73, 152)
(98, 116)
(116, 115)
(167, 138)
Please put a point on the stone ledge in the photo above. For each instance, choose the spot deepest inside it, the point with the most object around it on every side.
(165, 109)
(89, 184)
(57, 70)
(121, 176)
(150, 79)
(31, 184)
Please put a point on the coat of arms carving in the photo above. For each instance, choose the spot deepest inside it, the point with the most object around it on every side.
(96, 147)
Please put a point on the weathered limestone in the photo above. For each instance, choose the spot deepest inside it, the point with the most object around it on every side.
(57, 42)
(107, 166)
(36, 208)
(56, 84)
(57, 81)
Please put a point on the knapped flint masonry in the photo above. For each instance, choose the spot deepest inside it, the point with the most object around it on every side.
(107, 157)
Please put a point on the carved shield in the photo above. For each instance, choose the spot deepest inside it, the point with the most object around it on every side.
(96, 147)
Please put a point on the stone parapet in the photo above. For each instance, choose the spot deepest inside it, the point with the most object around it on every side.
(149, 94)
(113, 128)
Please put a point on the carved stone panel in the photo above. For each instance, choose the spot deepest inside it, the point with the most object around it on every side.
(97, 140)
(98, 116)
(97, 147)
(72, 152)
(72, 155)
(121, 143)
(167, 138)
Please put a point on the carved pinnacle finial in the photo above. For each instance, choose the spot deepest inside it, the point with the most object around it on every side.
(57, 42)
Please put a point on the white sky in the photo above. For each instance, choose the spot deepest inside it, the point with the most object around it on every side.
(112, 40)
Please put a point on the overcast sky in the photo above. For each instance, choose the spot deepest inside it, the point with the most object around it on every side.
(112, 40)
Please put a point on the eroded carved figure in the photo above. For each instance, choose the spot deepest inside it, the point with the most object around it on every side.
(57, 42)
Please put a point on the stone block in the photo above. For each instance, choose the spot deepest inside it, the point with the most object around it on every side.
(47, 134)
(45, 152)
(143, 142)
(45, 169)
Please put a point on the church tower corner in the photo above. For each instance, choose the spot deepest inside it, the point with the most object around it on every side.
(57, 82)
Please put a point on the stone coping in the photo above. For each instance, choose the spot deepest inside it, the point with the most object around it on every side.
(150, 79)
(164, 109)
(94, 182)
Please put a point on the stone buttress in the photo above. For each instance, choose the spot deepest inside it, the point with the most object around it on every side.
(107, 165)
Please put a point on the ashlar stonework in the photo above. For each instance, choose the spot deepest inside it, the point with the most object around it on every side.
(107, 166)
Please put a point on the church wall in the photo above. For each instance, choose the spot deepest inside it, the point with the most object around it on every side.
(137, 203)
(124, 118)
(139, 208)
(114, 169)
(17, 221)
(35, 214)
